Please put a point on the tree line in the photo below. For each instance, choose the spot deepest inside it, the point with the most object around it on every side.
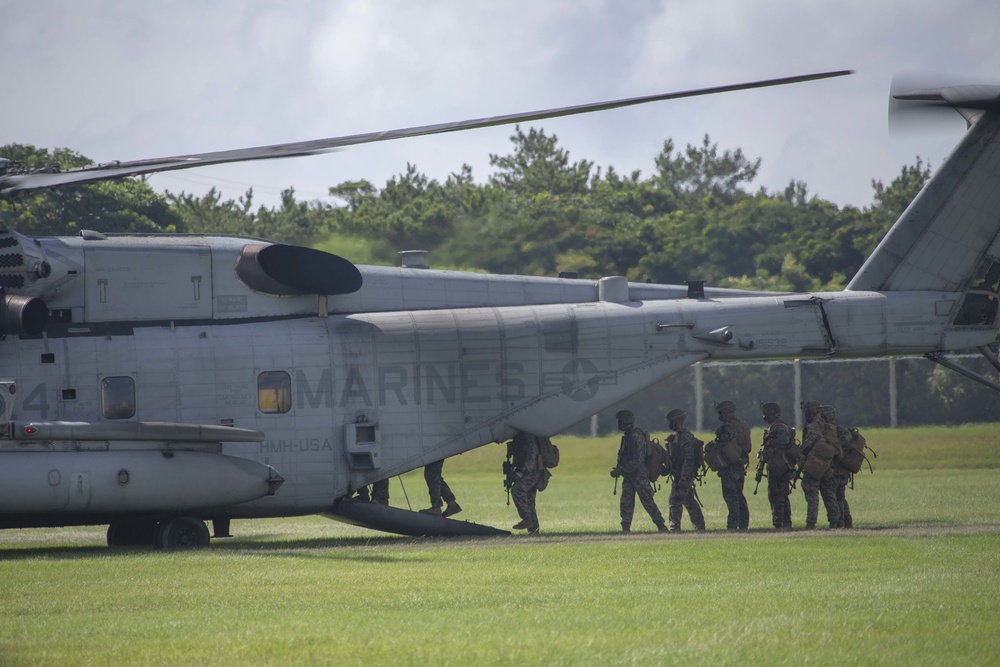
(696, 215)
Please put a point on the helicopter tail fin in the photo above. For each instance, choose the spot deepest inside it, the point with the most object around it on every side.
(948, 238)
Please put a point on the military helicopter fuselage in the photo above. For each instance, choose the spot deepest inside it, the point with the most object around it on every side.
(182, 378)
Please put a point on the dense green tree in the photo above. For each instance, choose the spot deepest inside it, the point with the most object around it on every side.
(125, 205)
(701, 171)
(888, 203)
(411, 212)
(538, 166)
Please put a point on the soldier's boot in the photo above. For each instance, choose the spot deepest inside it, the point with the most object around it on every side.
(452, 508)
(433, 511)
(523, 523)
(626, 527)
(810, 526)
(533, 529)
(662, 528)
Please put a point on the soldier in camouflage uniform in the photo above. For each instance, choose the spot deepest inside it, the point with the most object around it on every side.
(438, 489)
(523, 451)
(380, 492)
(812, 487)
(841, 477)
(632, 469)
(683, 469)
(733, 476)
(777, 440)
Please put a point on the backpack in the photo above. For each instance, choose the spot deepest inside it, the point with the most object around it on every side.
(548, 453)
(699, 457)
(715, 457)
(656, 457)
(822, 454)
(854, 453)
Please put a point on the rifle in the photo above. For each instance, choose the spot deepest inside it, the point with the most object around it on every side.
(796, 477)
(760, 469)
(508, 478)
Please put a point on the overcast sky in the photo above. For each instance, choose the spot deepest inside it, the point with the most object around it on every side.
(128, 80)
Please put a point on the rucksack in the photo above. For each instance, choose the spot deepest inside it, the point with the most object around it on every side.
(699, 457)
(823, 452)
(699, 454)
(715, 457)
(854, 453)
(548, 452)
(656, 457)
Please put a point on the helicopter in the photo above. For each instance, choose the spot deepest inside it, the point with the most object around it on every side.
(156, 382)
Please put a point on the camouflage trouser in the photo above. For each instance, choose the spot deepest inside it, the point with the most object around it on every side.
(779, 491)
(733, 478)
(813, 488)
(437, 488)
(846, 521)
(380, 491)
(682, 496)
(523, 491)
(631, 485)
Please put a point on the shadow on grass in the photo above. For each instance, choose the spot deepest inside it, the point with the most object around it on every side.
(383, 548)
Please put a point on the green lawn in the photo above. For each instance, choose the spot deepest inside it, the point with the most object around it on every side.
(916, 583)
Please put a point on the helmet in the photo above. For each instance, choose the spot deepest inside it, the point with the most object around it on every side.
(725, 405)
(808, 407)
(676, 415)
(625, 417)
(770, 408)
(828, 412)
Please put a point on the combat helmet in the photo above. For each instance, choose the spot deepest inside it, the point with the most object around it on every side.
(808, 407)
(676, 415)
(770, 409)
(828, 411)
(725, 405)
(626, 417)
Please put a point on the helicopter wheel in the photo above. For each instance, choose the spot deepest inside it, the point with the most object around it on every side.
(182, 533)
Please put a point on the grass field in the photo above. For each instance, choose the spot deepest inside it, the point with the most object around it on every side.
(916, 583)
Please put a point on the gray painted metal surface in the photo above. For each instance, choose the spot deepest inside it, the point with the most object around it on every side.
(333, 392)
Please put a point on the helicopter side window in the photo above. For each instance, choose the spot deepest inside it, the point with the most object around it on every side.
(118, 397)
(274, 392)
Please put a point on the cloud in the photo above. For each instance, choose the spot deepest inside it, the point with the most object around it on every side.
(130, 80)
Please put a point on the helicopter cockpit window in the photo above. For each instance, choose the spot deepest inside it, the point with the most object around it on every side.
(274, 392)
(118, 397)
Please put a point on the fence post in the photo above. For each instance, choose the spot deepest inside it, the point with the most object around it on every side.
(893, 414)
(797, 365)
(699, 398)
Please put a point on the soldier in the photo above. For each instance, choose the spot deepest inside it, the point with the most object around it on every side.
(631, 468)
(778, 440)
(438, 489)
(380, 492)
(819, 481)
(684, 468)
(523, 451)
(841, 476)
(733, 438)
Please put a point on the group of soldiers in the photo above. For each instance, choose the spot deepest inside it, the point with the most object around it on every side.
(729, 456)
(816, 462)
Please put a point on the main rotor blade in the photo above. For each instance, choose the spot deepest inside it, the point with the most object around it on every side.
(12, 183)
